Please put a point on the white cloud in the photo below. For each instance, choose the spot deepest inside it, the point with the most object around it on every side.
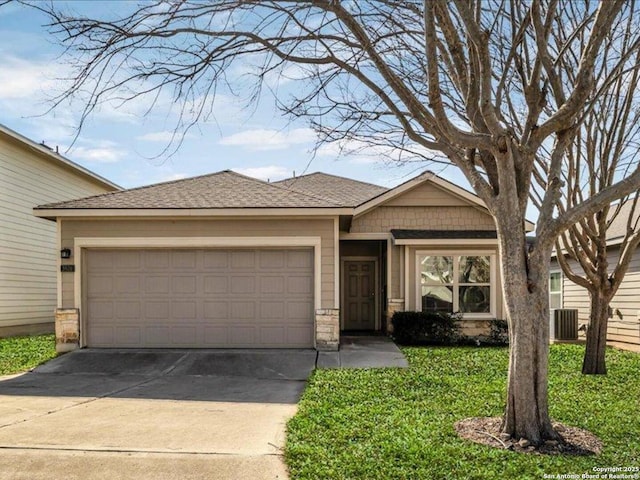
(264, 139)
(25, 80)
(362, 152)
(271, 172)
(98, 154)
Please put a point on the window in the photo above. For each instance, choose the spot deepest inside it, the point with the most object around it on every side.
(555, 290)
(456, 283)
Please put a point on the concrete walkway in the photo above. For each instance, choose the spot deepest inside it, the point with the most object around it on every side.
(363, 352)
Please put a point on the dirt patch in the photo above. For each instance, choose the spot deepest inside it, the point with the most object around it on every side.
(486, 431)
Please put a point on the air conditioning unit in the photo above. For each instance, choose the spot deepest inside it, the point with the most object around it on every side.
(565, 324)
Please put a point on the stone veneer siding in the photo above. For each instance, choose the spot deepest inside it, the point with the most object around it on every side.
(67, 329)
(393, 305)
(327, 329)
(383, 219)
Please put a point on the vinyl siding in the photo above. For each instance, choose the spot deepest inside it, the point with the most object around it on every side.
(28, 245)
(624, 325)
(383, 219)
(323, 228)
(427, 195)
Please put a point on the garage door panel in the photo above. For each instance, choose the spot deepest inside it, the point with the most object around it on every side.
(127, 260)
(128, 336)
(160, 284)
(272, 285)
(128, 310)
(215, 259)
(216, 284)
(184, 335)
(156, 260)
(184, 284)
(199, 298)
(216, 336)
(99, 284)
(243, 260)
(184, 310)
(274, 259)
(243, 285)
(271, 310)
(216, 310)
(127, 285)
(299, 285)
(157, 310)
(243, 309)
(183, 259)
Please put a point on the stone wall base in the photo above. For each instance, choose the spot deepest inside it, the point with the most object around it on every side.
(327, 329)
(393, 305)
(67, 329)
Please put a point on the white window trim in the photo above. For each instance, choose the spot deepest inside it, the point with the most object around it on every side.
(457, 253)
(551, 272)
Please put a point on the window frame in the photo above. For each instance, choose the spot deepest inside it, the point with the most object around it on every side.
(456, 254)
(560, 292)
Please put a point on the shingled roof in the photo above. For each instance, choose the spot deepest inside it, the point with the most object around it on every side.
(344, 191)
(224, 189)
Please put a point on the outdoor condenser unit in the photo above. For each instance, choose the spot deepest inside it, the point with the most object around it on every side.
(565, 323)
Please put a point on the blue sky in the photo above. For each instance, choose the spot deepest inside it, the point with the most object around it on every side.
(124, 143)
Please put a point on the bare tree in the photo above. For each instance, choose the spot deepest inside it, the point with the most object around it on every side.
(482, 82)
(605, 149)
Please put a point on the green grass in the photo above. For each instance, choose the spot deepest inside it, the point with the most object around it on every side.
(398, 424)
(18, 354)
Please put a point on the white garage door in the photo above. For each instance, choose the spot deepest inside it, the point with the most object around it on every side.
(235, 298)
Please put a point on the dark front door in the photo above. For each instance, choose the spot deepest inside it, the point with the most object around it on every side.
(360, 295)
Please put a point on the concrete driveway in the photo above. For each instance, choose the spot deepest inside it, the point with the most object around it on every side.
(98, 414)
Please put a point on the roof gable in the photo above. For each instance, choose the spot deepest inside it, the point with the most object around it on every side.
(439, 189)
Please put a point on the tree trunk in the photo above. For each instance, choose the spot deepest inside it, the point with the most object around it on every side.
(594, 356)
(525, 293)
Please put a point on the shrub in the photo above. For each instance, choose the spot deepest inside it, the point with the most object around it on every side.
(426, 328)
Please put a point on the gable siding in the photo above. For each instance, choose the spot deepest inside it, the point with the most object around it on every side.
(427, 194)
(383, 219)
(28, 245)
(323, 228)
(624, 325)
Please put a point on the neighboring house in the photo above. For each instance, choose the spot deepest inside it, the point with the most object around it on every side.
(624, 323)
(32, 174)
(226, 260)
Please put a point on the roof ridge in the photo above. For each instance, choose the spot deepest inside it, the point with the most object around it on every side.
(331, 175)
(306, 194)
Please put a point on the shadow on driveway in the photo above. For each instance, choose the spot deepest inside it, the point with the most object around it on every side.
(260, 376)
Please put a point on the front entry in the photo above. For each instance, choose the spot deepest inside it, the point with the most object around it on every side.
(359, 295)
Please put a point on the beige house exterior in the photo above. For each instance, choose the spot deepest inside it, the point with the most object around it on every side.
(225, 260)
(31, 174)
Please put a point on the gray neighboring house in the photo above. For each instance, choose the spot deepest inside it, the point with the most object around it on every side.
(624, 323)
(32, 174)
(225, 260)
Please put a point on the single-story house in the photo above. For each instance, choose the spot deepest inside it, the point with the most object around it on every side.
(32, 174)
(225, 260)
(623, 329)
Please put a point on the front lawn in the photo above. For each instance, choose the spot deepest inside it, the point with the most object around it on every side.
(398, 424)
(18, 354)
